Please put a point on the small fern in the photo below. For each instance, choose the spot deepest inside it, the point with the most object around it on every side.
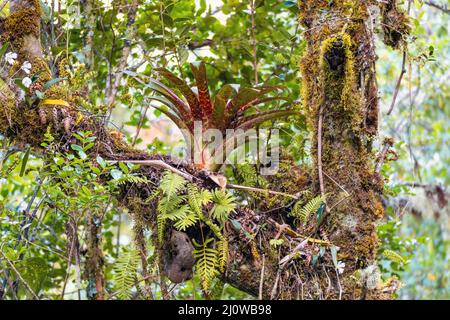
(222, 248)
(207, 263)
(197, 199)
(302, 213)
(248, 176)
(161, 227)
(393, 256)
(186, 210)
(171, 183)
(170, 206)
(186, 221)
(129, 178)
(125, 270)
(224, 204)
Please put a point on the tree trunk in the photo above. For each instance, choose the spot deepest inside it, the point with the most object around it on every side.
(340, 96)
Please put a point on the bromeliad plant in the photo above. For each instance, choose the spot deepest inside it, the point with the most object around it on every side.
(199, 115)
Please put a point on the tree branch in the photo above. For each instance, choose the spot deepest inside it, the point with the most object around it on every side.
(442, 7)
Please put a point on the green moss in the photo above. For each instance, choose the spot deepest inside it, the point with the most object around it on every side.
(395, 24)
(331, 69)
(340, 84)
(8, 110)
(40, 67)
(63, 69)
(24, 21)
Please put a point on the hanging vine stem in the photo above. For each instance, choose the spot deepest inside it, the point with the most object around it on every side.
(319, 156)
(399, 81)
(139, 127)
(255, 60)
(402, 72)
(19, 275)
(261, 281)
(161, 15)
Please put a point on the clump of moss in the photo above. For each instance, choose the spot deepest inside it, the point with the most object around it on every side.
(23, 22)
(338, 77)
(395, 24)
(63, 68)
(40, 67)
(8, 109)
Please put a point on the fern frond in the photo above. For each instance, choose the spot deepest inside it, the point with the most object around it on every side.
(170, 206)
(167, 205)
(207, 261)
(152, 197)
(161, 226)
(171, 183)
(393, 256)
(224, 204)
(222, 248)
(303, 212)
(214, 227)
(177, 212)
(186, 221)
(125, 270)
(205, 197)
(194, 199)
(128, 178)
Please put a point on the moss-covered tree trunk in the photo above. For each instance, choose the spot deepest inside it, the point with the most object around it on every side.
(340, 97)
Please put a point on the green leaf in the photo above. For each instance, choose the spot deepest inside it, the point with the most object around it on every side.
(82, 155)
(3, 49)
(88, 146)
(319, 212)
(333, 250)
(39, 94)
(184, 54)
(76, 147)
(86, 190)
(124, 167)
(171, 183)
(101, 162)
(116, 174)
(52, 82)
(24, 162)
(224, 204)
(289, 3)
(125, 270)
(237, 226)
(19, 83)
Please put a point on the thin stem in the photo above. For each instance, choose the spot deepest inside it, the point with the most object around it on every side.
(191, 178)
(141, 121)
(399, 81)
(255, 59)
(261, 282)
(19, 275)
